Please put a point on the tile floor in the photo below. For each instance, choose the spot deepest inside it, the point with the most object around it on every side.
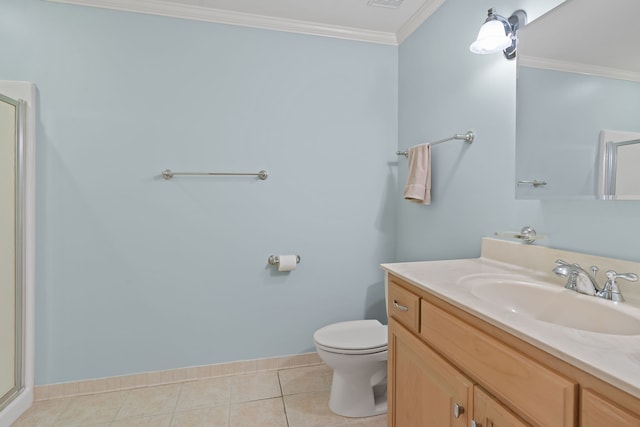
(295, 397)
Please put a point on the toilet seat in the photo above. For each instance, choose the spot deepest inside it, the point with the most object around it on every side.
(352, 337)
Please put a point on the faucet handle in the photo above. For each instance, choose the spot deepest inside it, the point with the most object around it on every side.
(611, 291)
(612, 276)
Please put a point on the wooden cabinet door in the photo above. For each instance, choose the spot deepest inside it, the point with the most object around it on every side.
(489, 413)
(423, 388)
(599, 412)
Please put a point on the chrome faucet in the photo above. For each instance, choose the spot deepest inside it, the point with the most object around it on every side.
(584, 282)
(578, 279)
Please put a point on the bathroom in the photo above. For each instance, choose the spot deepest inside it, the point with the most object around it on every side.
(135, 273)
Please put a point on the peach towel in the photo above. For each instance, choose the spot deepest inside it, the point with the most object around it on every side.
(418, 187)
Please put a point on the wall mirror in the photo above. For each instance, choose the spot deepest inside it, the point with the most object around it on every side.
(578, 81)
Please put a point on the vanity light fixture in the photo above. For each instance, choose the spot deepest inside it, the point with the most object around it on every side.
(499, 33)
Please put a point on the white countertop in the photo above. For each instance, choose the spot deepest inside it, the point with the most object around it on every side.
(612, 358)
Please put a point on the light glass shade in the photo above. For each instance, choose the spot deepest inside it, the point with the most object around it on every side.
(491, 38)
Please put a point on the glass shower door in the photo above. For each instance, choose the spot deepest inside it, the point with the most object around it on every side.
(11, 248)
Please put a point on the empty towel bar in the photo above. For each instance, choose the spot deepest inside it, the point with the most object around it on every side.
(168, 174)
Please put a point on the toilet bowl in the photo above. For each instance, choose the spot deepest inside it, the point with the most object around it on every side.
(357, 352)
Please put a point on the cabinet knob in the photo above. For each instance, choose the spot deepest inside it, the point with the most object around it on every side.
(474, 423)
(458, 410)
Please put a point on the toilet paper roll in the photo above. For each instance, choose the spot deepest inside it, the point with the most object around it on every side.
(287, 262)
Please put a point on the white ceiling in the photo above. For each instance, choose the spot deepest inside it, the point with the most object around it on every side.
(349, 19)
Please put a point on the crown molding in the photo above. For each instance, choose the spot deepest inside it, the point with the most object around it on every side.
(418, 18)
(199, 13)
(575, 67)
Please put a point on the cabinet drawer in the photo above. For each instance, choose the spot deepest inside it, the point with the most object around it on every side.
(542, 396)
(597, 411)
(404, 306)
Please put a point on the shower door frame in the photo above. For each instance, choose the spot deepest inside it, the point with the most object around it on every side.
(23, 397)
(19, 249)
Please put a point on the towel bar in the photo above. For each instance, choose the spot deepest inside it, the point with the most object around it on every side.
(468, 137)
(168, 174)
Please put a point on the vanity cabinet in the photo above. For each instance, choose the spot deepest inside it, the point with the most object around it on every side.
(425, 389)
(450, 368)
(429, 392)
(598, 411)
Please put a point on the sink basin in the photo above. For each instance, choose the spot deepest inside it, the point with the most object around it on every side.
(552, 304)
(513, 294)
(590, 316)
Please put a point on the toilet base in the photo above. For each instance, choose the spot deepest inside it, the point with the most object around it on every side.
(361, 392)
(357, 352)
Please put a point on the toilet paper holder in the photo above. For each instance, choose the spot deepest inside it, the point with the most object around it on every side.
(275, 259)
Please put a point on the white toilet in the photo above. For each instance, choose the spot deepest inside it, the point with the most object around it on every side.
(357, 352)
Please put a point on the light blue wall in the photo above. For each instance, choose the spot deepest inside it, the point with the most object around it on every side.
(136, 273)
(445, 89)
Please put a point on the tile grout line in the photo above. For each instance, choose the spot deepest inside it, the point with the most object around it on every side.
(173, 413)
(59, 414)
(126, 397)
(284, 406)
(229, 403)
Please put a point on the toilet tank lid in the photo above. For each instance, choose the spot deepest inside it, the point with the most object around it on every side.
(352, 335)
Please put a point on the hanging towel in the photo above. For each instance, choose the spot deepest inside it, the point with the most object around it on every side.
(418, 187)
